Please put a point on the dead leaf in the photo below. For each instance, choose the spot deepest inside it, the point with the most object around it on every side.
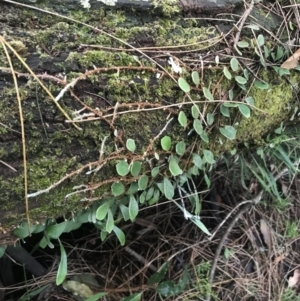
(292, 61)
(266, 232)
(295, 279)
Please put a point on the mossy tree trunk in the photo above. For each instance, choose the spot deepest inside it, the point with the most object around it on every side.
(110, 81)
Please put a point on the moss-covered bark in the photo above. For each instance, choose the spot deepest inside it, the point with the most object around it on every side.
(119, 94)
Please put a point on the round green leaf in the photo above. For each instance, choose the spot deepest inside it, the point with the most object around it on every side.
(166, 143)
(168, 189)
(117, 188)
(174, 167)
(209, 156)
(180, 148)
(184, 86)
(228, 131)
(133, 208)
(130, 144)
(244, 109)
(136, 168)
(122, 168)
(241, 80)
(195, 111)
(195, 77)
(143, 182)
(102, 211)
(198, 126)
(182, 119)
(227, 73)
(260, 40)
(234, 64)
(207, 94)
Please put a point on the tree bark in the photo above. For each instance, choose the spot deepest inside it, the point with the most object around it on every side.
(110, 81)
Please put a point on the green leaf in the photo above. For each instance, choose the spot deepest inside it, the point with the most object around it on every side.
(184, 86)
(165, 143)
(252, 26)
(55, 231)
(103, 235)
(174, 167)
(155, 172)
(134, 297)
(210, 118)
(230, 94)
(260, 40)
(122, 168)
(39, 228)
(244, 109)
(243, 44)
(234, 64)
(133, 208)
(261, 85)
(228, 131)
(134, 187)
(198, 126)
(195, 78)
(120, 234)
(23, 231)
(197, 161)
(207, 180)
(130, 144)
(241, 80)
(96, 297)
(117, 188)
(182, 119)
(168, 189)
(158, 276)
(110, 223)
(204, 137)
(149, 193)
(167, 288)
(125, 212)
(71, 226)
(207, 94)
(246, 74)
(143, 182)
(180, 148)
(200, 225)
(155, 198)
(195, 111)
(63, 266)
(136, 168)
(209, 156)
(2, 250)
(102, 210)
(224, 111)
(227, 73)
(250, 100)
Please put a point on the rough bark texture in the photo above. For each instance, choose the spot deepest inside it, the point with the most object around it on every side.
(118, 95)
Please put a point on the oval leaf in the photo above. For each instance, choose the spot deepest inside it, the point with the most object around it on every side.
(184, 86)
(102, 210)
(136, 168)
(198, 126)
(182, 119)
(130, 144)
(227, 73)
(122, 168)
(207, 94)
(228, 131)
(143, 182)
(168, 189)
(244, 109)
(120, 234)
(117, 188)
(241, 80)
(165, 143)
(109, 222)
(234, 64)
(195, 78)
(133, 208)
(195, 111)
(209, 156)
(180, 148)
(174, 167)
